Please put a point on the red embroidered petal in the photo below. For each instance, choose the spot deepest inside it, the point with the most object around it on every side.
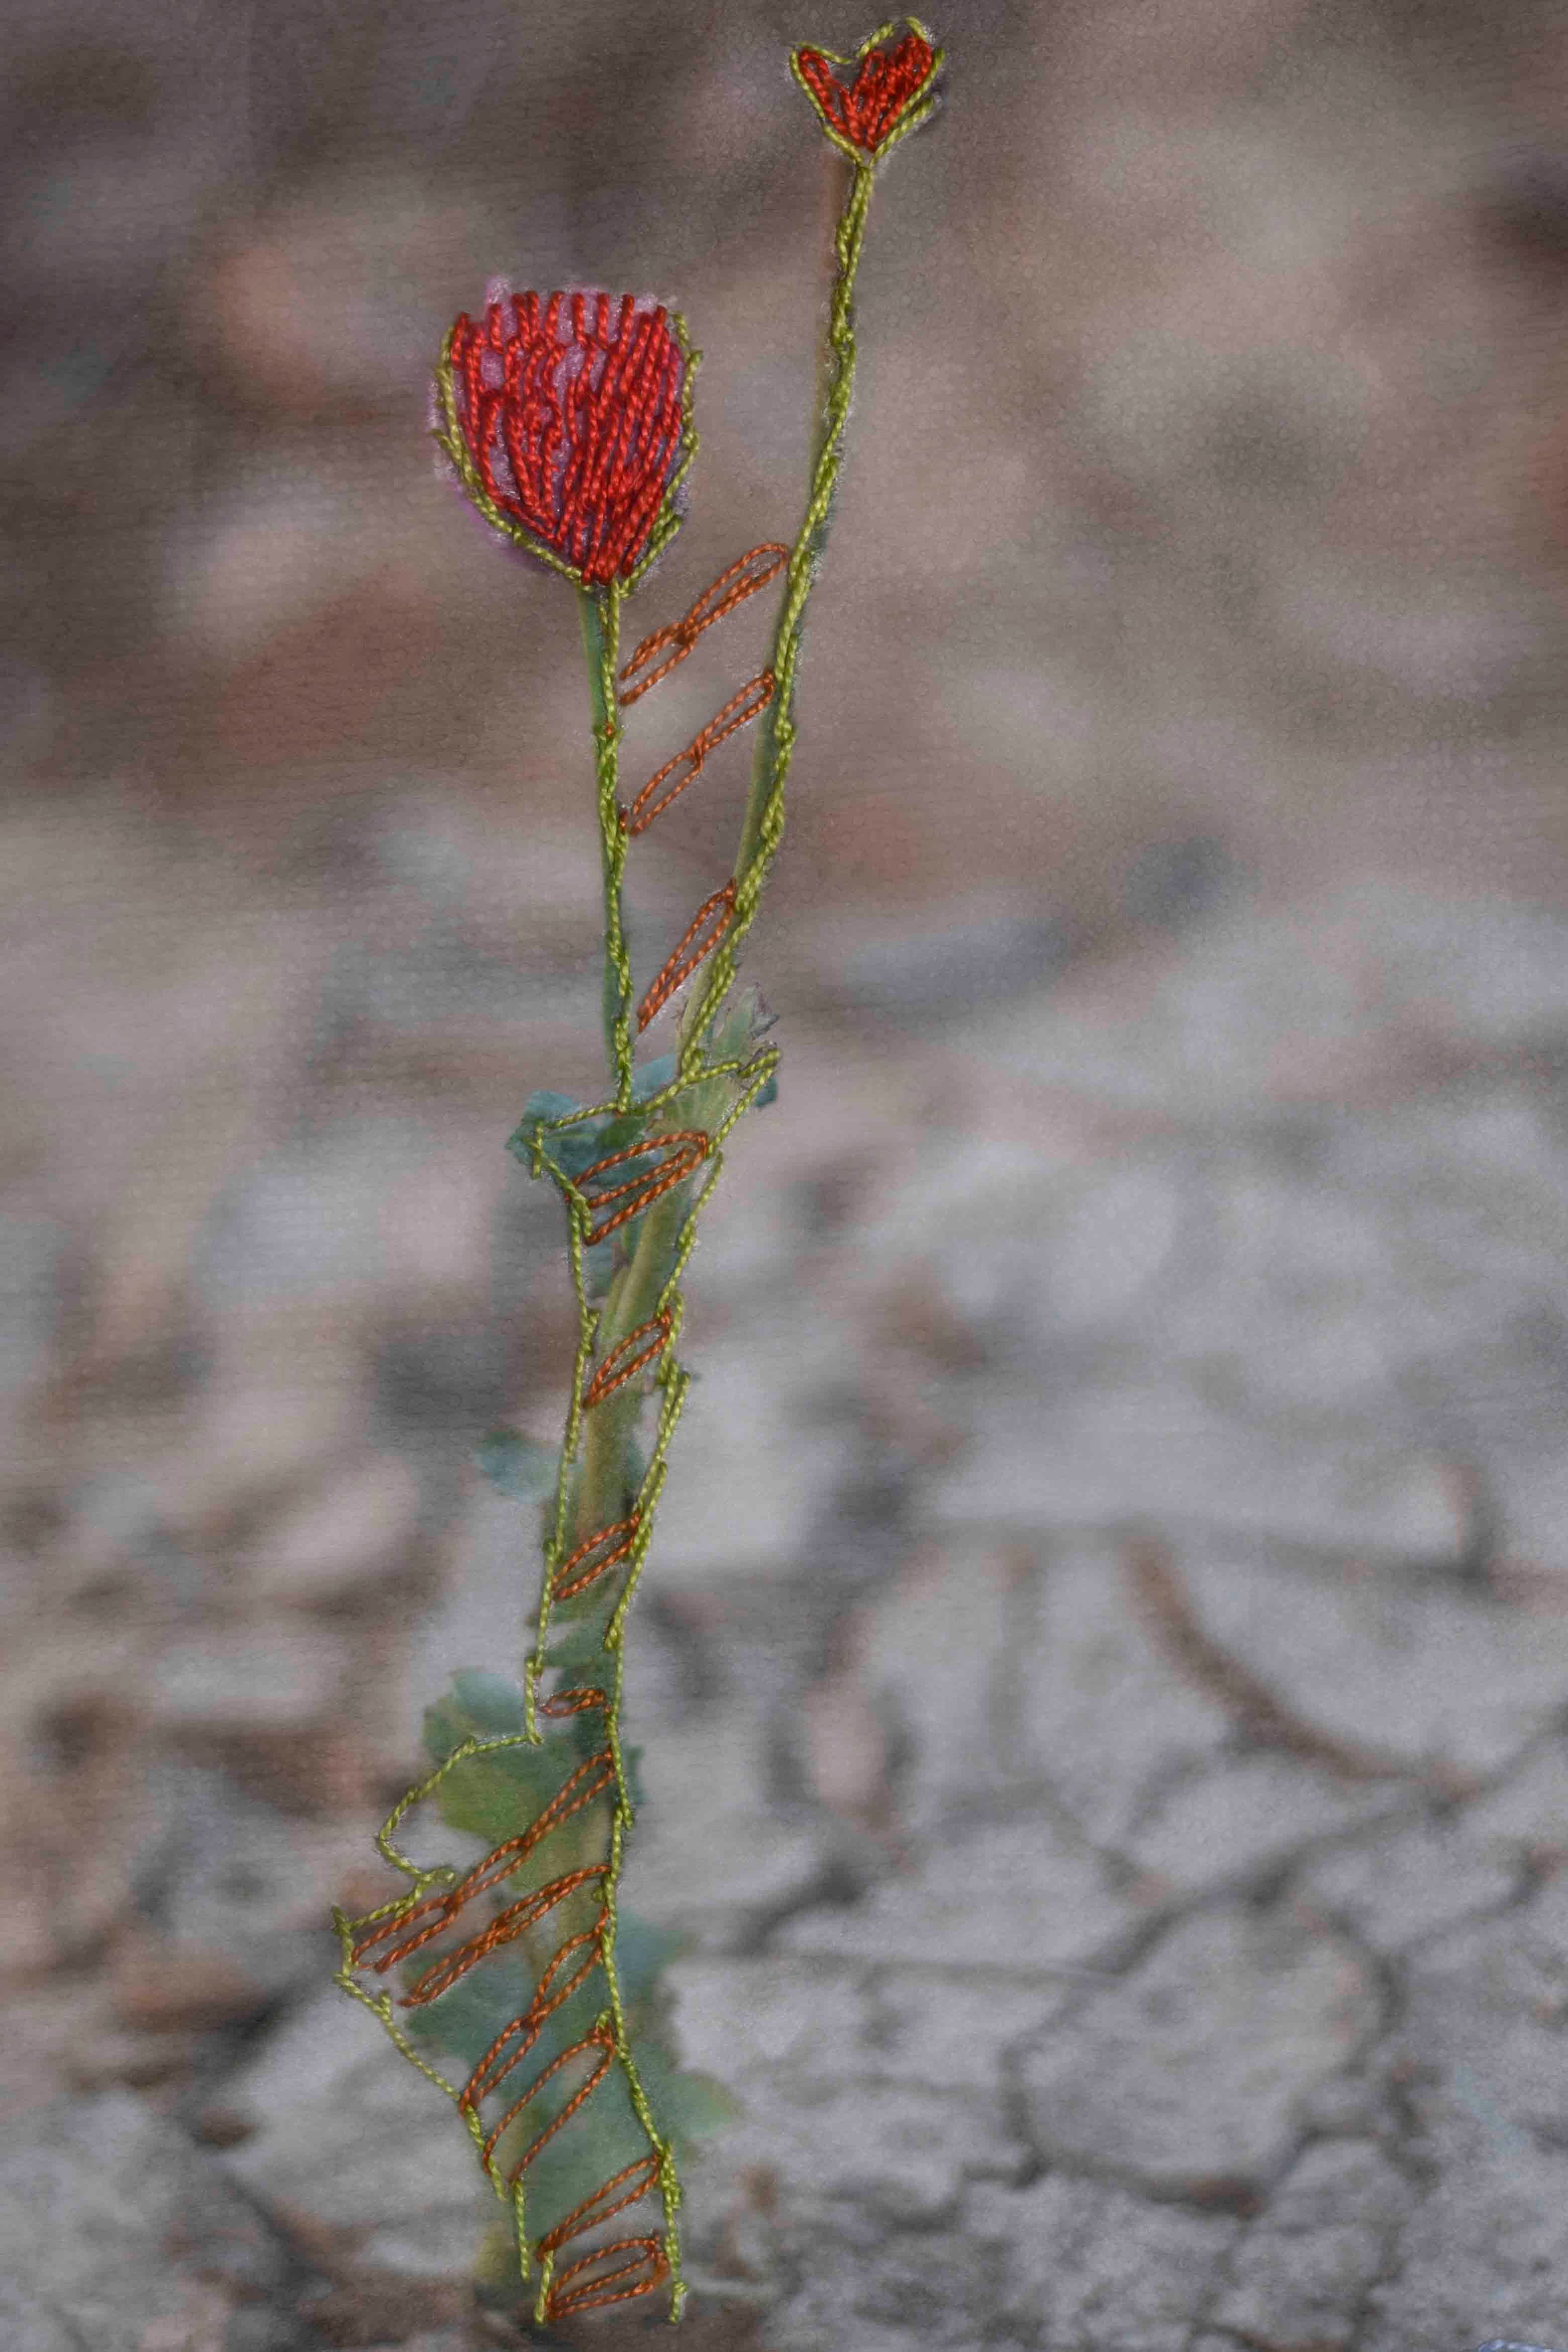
(868, 113)
(573, 415)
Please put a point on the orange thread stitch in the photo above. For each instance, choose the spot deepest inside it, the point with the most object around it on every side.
(600, 2039)
(652, 2253)
(503, 1863)
(681, 963)
(575, 1701)
(594, 2209)
(605, 1381)
(684, 633)
(504, 1928)
(756, 696)
(690, 1150)
(487, 2075)
(564, 1585)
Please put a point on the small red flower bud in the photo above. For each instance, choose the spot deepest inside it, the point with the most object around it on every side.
(893, 91)
(568, 421)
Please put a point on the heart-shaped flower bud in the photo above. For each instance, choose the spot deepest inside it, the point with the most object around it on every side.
(891, 92)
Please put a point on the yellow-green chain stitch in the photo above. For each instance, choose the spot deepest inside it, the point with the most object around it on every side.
(644, 1293)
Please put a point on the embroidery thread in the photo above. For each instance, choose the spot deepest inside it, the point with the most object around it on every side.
(565, 421)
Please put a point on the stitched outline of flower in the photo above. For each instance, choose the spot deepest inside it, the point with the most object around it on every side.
(891, 95)
(573, 446)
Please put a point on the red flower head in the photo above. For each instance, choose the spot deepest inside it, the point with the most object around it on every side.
(891, 94)
(568, 423)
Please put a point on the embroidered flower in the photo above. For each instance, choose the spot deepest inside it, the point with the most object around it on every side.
(568, 420)
(891, 94)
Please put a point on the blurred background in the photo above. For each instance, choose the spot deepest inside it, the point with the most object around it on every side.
(1170, 952)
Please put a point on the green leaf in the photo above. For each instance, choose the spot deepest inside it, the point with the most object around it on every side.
(543, 1105)
(641, 1953)
(576, 1649)
(632, 1759)
(690, 2107)
(598, 1268)
(602, 2139)
(491, 1703)
(653, 1076)
(467, 2021)
(520, 1466)
(498, 1795)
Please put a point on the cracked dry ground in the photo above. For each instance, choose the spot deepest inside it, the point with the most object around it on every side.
(1112, 1762)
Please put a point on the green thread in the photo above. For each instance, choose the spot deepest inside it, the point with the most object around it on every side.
(762, 829)
(594, 1488)
(600, 613)
(918, 108)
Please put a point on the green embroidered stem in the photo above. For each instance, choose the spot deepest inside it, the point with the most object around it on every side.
(762, 828)
(600, 613)
(526, 1952)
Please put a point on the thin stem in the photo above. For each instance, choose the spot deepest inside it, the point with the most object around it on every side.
(762, 828)
(600, 613)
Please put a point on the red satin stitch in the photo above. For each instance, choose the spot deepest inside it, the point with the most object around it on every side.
(573, 419)
(869, 110)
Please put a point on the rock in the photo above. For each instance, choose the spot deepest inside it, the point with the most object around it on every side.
(1344, 996)
(1029, 1234)
(355, 1528)
(115, 2231)
(820, 2110)
(1228, 1821)
(1301, 2272)
(1411, 1882)
(923, 2287)
(939, 1650)
(101, 2057)
(1527, 1815)
(746, 2020)
(755, 1451)
(1479, 2059)
(236, 1680)
(919, 976)
(1435, 1677)
(43, 2024)
(1017, 1893)
(227, 1874)
(157, 1986)
(1113, 1440)
(709, 1853)
(1083, 2262)
(349, 2134)
(31, 1250)
(957, 2029)
(900, 2151)
(1085, 1660)
(1188, 2074)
